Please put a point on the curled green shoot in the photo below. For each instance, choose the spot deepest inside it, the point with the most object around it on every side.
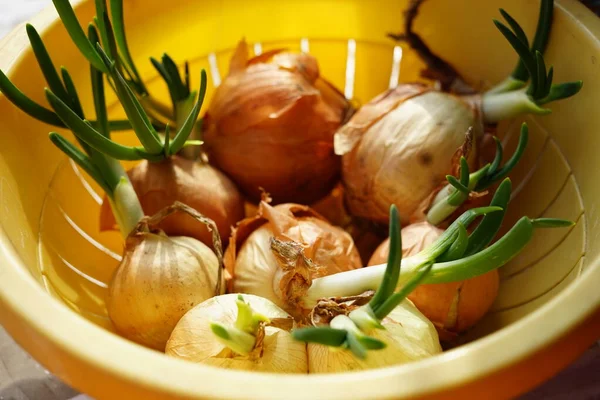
(241, 337)
(520, 75)
(541, 90)
(451, 197)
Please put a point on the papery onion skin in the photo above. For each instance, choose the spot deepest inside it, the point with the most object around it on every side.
(252, 264)
(193, 340)
(271, 123)
(452, 307)
(408, 334)
(398, 149)
(196, 184)
(159, 279)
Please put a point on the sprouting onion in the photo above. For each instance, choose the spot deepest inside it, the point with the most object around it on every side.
(453, 307)
(267, 253)
(388, 323)
(162, 177)
(159, 277)
(455, 255)
(239, 332)
(398, 148)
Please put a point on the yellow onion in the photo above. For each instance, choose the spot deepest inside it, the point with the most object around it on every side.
(271, 123)
(399, 147)
(257, 269)
(193, 340)
(160, 278)
(197, 184)
(408, 334)
(452, 307)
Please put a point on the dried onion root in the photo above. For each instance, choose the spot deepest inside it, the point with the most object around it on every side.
(270, 125)
(243, 332)
(399, 147)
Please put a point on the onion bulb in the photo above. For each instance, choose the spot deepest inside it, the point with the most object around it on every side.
(408, 335)
(452, 307)
(256, 268)
(399, 147)
(271, 123)
(160, 278)
(274, 349)
(197, 184)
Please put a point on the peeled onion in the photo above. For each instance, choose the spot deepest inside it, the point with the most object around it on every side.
(271, 123)
(452, 307)
(256, 269)
(399, 147)
(193, 340)
(158, 280)
(196, 184)
(409, 336)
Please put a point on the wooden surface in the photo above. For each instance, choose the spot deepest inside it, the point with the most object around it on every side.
(21, 378)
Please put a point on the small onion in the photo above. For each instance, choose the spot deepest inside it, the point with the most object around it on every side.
(197, 184)
(399, 147)
(256, 269)
(271, 123)
(193, 340)
(452, 307)
(408, 334)
(159, 279)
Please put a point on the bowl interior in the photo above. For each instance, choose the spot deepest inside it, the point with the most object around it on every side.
(50, 209)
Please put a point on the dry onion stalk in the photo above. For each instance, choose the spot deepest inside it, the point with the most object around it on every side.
(159, 277)
(399, 147)
(238, 332)
(259, 266)
(271, 123)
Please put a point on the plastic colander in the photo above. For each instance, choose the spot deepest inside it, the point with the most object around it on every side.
(55, 264)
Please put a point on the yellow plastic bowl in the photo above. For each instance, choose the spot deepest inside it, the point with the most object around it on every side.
(55, 264)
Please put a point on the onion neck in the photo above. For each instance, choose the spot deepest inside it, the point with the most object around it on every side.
(126, 206)
(499, 106)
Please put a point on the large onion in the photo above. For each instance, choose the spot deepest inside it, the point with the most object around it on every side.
(452, 307)
(256, 269)
(197, 184)
(399, 147)
(159, 279)
(193, 340)
(271, 123)
(408, 334)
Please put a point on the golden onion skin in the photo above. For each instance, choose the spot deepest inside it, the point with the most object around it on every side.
(399, 148)
(452, 307)
(193, 340)
(159, 279)
(270, 125)
(253, 265)
(196, 184)
(409, 336)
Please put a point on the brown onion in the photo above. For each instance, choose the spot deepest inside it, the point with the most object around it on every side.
(271, 123)
(197, 184)
(399, 147)
(160, 278)
(256, 268)
(452, 307)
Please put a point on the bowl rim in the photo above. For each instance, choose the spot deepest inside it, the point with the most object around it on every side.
(22, 297)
